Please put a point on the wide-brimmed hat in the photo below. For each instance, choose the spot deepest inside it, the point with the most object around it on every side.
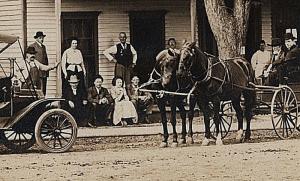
(39, 34)
(73, 79)
(31, 50)
(275, 42)
(288, 36)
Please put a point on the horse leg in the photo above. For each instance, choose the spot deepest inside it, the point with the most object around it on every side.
(206, 113)
(173, 121)
(239, 114)
(183, 118)
(249, 104)
(162, 108)
(191, 112)
(216, 110)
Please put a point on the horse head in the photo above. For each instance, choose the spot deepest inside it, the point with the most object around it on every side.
(167, 63)
(186, 54)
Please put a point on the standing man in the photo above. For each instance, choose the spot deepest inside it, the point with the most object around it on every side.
(124, 55)
(41, 56)
(172, 46)
(260, 60)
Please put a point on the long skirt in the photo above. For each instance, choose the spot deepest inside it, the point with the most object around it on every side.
(124, 109)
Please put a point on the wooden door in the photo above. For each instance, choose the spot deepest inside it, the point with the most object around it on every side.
(84, 26)
(147, 35)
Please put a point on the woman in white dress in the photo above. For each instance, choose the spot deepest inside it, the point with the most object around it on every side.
(124, 109)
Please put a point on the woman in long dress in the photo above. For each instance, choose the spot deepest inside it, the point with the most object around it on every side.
(124, 109)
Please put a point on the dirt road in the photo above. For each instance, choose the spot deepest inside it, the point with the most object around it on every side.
(275, 160)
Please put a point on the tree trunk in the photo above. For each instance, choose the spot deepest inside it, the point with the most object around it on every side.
(228, 25)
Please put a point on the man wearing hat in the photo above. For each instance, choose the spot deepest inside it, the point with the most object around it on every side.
(33, 67)
(291, 58)
(77, 100)
(41, 56)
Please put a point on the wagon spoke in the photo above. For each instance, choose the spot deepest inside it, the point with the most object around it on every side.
(289, 126)
(10, 135)
(50, 139)
(279, 120)
(288, 98)
(44, 136)
(24, 137)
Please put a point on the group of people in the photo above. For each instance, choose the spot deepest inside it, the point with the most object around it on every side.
(99, 106)
(271, 68)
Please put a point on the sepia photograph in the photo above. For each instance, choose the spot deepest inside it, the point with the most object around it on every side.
(149, 90)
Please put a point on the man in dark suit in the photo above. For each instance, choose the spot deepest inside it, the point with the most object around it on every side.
(142, 101)
(102, 102)
(291, 61)
(76, 100)
(41, 56)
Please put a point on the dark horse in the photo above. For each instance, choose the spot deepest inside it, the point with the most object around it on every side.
(219, 80)
(165, 71)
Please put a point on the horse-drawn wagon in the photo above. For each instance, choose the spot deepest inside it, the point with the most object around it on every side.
(26, 116)
(221, 89)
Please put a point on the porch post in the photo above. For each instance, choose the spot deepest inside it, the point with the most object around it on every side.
(58, 47)
(24, 23)
(193, 9)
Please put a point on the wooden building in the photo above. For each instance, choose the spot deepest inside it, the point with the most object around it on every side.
(148, 24)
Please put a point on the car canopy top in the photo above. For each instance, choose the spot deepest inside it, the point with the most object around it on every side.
(8, 39)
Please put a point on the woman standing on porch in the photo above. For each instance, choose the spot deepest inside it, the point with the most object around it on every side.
(72, 63)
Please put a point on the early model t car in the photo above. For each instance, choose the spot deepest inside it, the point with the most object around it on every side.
(26, 116)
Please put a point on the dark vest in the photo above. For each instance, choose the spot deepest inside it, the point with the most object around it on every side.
(124, 56)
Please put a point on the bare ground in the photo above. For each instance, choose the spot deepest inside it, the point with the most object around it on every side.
(139, 158)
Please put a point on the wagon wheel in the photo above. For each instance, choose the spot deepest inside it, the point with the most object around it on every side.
(284, 112)
(226, 114)
(56, 131)
(17, 140)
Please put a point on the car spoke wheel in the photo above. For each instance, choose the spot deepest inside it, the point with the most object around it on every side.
(17, 140)
(226, 114)
(56, 131)
(284, 112)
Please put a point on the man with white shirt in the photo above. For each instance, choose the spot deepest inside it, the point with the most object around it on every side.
(260, 60)
(41, 56)
(102, 103)
(125, 57)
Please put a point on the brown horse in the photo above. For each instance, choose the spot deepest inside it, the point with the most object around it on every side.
(165, 70)
(215, 81)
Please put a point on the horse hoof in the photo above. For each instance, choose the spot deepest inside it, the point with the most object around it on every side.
(174, 145)
(163, 145)
(182, 141)
(190, 140)
(219, 142)
(205, 142)
(239, 135)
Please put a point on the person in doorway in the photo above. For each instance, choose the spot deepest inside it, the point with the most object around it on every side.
(72, 63)
(102, 103)
(172, 46)
(260, 60)
(41, 56)
(125, 57)
(124, 110)
(142, 101)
